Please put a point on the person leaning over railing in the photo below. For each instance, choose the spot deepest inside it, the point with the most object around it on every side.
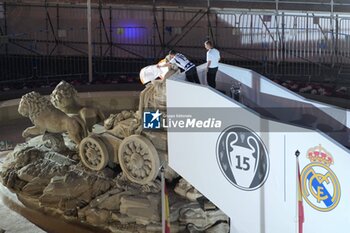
(182, 62)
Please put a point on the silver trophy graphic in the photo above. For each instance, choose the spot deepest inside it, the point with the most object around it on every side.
(241, 160)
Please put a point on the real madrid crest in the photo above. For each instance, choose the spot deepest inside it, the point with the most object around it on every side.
(242, 157)
(320, 186)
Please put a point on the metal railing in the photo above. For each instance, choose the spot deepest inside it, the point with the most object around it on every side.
(52, 43)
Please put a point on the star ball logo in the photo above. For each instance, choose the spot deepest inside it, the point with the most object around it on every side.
(242, 157)
(151, 120)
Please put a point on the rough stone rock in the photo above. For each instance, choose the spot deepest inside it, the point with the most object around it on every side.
(27, 162)
(126, 228)
(169, 173)
(36, 186)
(8, 177)
(61, 159)
(201, 219)
(31, 161)
(122, 218)
(182, 187)
(55, 141)
(193, 194)
(99, 199)
(108, 201)
(42, 168)
(106, 173)
(219, 228)
(11, 180)
(176, 207)
(29, 172)
(185, 189)
(144, 209)
(97, 217)
(73, 186)
(100, 186)
(113, 202)
(20, 157)
(123, 183)
(69, 186)
(174, 228)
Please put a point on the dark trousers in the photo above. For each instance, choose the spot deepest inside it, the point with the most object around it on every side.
(192, 76)
(211, 76)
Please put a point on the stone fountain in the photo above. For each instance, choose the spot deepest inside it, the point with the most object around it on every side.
(102, 173)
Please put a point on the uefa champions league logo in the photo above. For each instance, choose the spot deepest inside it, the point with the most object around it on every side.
(242, 158)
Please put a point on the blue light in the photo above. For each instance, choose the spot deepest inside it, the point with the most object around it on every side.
(129, 32)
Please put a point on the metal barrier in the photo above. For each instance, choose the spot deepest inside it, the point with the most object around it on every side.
(52, 43)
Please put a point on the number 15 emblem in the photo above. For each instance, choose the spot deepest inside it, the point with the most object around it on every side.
(242, 158)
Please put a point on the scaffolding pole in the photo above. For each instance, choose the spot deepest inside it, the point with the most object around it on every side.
(89, 39)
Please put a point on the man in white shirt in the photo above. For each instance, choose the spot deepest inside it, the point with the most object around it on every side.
(182, 62)
(213, 58)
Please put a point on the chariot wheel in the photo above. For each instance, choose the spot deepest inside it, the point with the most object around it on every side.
(138, 159)
(93, 153)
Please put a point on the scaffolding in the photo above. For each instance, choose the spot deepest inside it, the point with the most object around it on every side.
(49, 41)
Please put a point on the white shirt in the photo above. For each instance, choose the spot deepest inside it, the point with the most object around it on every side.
(182, 62)
(213, 55)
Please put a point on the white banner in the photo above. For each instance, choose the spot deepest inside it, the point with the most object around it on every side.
(252, 176)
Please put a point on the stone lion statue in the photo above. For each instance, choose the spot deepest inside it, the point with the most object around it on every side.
(47, 118)
(65, 98)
